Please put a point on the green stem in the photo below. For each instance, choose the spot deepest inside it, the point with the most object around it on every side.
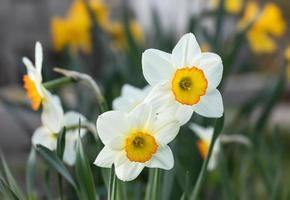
(112, 190)
(153, 187)
(50, 85)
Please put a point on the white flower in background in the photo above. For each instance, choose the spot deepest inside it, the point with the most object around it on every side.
(187, 78)
(205, 136)
(135, 140)
(53, 120)
(33, 79)
(130, 97)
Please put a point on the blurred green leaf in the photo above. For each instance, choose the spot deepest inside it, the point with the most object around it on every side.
(61, 143)
(55, 163)
(153, 185)
(84, 175)
(30, 173)
(47, 189)
(218, 128)
(6, 191)
(11, 180)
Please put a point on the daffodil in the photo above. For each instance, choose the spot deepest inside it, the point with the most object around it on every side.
(187, 78)
(32, 81)
(132, 96)
(135, 140)
(287, 58)
(205, 137)
(231, 6)
(53, 121)
(269, 25)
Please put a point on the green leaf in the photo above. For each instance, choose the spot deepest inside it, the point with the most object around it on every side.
(10, 179)
(84, 174)
(55, 163)
(7, 191)
(218, 128)
(30, 173)
(61, 143)
(153, 186)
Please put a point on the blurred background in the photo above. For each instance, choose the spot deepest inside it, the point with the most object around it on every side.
(105, 39)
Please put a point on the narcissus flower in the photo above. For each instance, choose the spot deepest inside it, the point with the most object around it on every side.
(269, 24)
(53, 121)
(187, 78)
(230, 6)
(205, 136)
(32, 81)
(135, 140)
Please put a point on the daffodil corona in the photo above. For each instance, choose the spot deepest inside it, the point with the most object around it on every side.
(187, 78)
(135, 140)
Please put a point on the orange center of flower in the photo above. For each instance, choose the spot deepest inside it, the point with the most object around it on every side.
(140, 147)
(188, 85)
(32, 92)
(203, 148)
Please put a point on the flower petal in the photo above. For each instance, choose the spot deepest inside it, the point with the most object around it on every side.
(38, 57)
(69, 154)
(43, 136)
(142, 117)
(163, 158)
(166, 131)
(112, 124)
(204, 134)
(72, 118)
(212, 66)
(106, 157)
(210, 105)
(52, 114)
(156, 66)
(128, 171)
(185, 51)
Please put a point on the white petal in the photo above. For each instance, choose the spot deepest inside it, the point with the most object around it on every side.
(44, 137)
(130, 97)
(31, 71)
(72, 118)
(214, 156)
(106, 157)
(112, 124)
(52, 114)
(210, 105)
(128, 170)
(183, 114)
(167, 131)
(163, 158)
(212, 66)
(185, 51)
(38, 57)
(142, 117)
(204, 134)
(156, 66)
(69, 154)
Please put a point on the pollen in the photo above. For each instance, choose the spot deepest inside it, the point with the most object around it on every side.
(188, 85)
(140, 147)
(32, 92)
(202, 148)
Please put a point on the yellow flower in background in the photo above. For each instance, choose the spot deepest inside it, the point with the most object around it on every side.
(117, 31)
(287, 58)
(269, 24)
(73, 30)
(231, 6)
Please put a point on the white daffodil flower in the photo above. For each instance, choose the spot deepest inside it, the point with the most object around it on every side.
(130, 97)
(53, 120)
(33, 79)
(187, 78)
(205, 136)
(135, 140)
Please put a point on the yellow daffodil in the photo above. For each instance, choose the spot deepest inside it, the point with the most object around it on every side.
(231, 6)
(135, 140)
(287, 58)
(268, 25)
(187, 78)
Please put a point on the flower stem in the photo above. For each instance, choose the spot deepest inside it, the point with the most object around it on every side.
(153, 187)
(50, 85)
(112, 190)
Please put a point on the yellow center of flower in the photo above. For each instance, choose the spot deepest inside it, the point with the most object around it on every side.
(32, 92)
(140, 147)
(203, 148)
(188, 85)
(54, 136)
